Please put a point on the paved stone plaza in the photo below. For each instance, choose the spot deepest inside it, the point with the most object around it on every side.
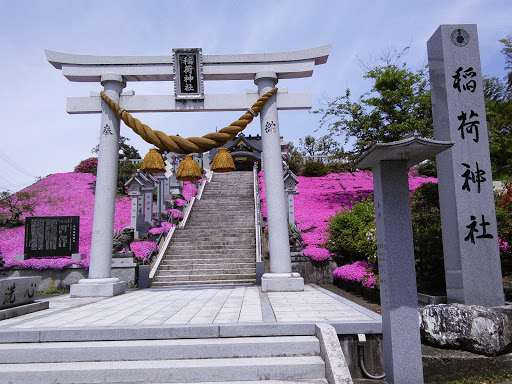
(196, 305)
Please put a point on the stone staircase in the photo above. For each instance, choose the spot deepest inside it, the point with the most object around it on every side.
(270, 360)
(218, 244)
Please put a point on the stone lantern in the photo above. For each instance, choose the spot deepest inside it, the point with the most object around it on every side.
(141, 191)
(290, 189)
(390, 164)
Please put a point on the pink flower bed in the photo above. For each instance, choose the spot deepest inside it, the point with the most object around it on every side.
(65, 194)
(321, 197)
(360, 272)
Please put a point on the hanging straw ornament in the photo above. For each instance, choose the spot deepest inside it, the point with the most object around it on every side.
(223, 162)
(153, 162)
(188, 170)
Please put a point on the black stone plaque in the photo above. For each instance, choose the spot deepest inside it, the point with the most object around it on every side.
(51, 236)
(188, 82)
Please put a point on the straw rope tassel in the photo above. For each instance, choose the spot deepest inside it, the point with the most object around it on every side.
(182, 145)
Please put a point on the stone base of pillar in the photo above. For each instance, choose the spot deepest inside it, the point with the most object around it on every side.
(106, 287)
(282, 282)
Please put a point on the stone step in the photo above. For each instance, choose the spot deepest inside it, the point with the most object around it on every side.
(188, 266)
(188, 277)
(125, 350)
(228, 248)
(173, 254)
(168, 283)
(212, 271)
(206, 241)
(208, 257)
(166, 371)
(213, 233)
(242, 227)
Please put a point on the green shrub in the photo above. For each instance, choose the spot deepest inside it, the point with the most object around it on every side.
(339, 166)
(314, 169)
(503, 200)
(89, 165)
(125, 171)
(294, 160)
(428, 168)
(351, 234)
(428, 241)
(352, 237)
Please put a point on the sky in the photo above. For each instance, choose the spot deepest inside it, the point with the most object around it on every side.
(39, 138)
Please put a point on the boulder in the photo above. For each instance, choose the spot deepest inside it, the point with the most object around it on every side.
(472, 328)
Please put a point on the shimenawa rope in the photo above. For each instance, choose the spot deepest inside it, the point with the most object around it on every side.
(182, 145)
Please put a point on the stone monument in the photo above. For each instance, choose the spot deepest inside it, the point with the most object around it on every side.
(470, 237)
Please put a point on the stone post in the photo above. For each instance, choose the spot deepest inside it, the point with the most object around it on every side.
(280, 277)
(470, 237)
(100, 282)
(399, 298)
(395, 250)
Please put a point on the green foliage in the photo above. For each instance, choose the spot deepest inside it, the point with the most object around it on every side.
(314, 169)
(428, 242)
(352, 237)
(294, 159)
(126, 151)
(89, 165)
(54, 291)
(428, 168)
(339, 166)
(498, 103)
(124, 172)
(503, 202)
(16, 205)
(351, 233)
(397, 105)
(308, 146)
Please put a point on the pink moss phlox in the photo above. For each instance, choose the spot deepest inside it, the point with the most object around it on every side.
(359, 272)
(62, 194)
(180, 202)
(161, 228)
(142, 249)
(190, 189)
(321, 197)
(316, 253)
(175, 213)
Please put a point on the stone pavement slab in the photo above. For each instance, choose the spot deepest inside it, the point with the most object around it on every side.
(198, 305)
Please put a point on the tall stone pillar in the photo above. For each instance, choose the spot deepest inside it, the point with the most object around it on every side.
(280, 278)
(100, 282)
(470, 236)
(399, 298)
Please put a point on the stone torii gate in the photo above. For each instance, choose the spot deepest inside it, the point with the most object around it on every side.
(113, 72)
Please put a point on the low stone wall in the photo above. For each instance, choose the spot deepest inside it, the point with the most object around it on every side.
(51, 278)
(316, 272)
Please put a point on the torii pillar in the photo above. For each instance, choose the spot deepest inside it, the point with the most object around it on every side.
(100, 281)
(281, 278)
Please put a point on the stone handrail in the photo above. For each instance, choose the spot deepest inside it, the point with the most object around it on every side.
(257, 213)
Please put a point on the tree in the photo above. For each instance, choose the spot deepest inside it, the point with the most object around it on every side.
(294, 159)
(498, 103)
(397, 106)
(308, 146)
(126, 151)
(16, 205)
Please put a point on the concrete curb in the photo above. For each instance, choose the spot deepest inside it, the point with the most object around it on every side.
(336, 368)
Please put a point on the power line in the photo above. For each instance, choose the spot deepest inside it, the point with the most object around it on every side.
(8, 161)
